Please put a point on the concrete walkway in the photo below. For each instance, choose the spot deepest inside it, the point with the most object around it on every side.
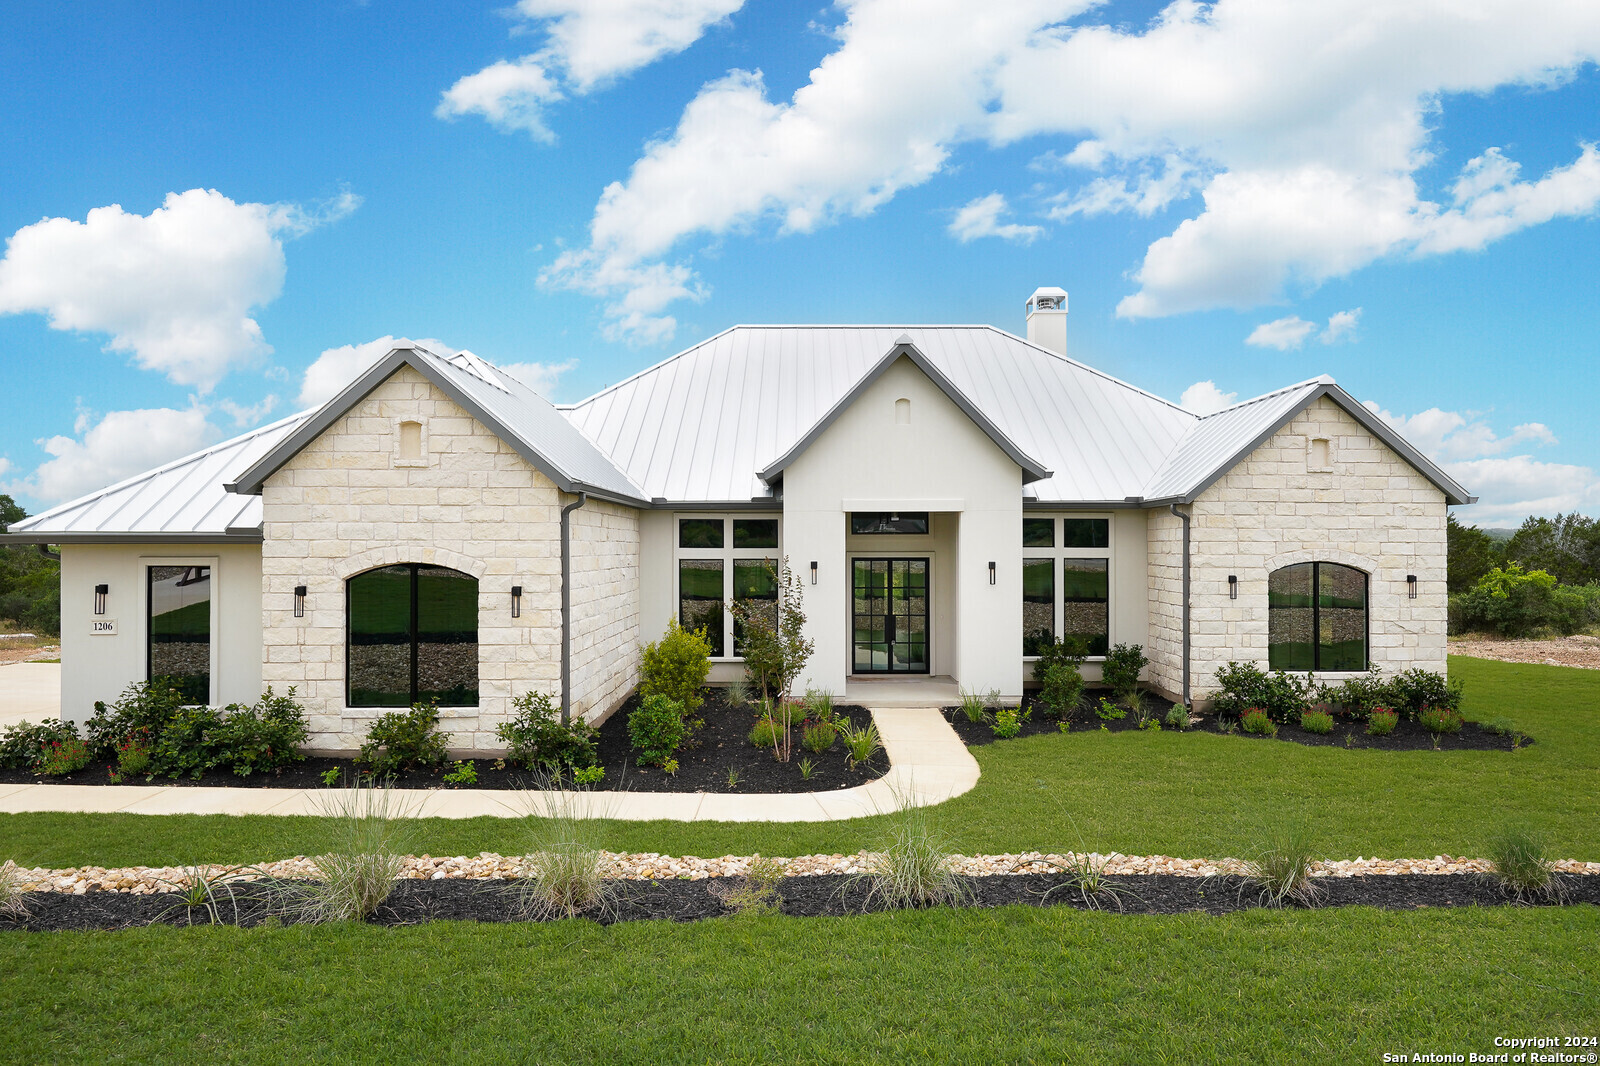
(29, 692)
(928, 764)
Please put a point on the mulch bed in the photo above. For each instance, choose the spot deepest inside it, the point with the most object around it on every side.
(703, 765)
(831, 895)
(1347, 733)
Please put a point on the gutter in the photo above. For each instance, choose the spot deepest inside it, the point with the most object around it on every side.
(566, 605)
(1185, 520)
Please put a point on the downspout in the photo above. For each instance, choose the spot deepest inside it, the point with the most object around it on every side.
(566, 605)
(1185, 520)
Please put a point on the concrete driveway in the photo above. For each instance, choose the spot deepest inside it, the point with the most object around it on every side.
(29, 691)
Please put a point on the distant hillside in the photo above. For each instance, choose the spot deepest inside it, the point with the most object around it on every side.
(1500, 534)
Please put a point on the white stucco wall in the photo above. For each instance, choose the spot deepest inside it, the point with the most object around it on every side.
(1369, 509)
(344, 505)
(939, 462)
(100, 667)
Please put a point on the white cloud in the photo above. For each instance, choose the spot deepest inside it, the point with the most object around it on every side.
(1305, 127)
(174, 288)
(981, 218)
(118, 446)
(1509, 487)
(1204, 398)
(1341, 326)
(589, 43)
(250, 415)
(511, 96)
(337, 367)
(540, 377)
(1281, 333)
(5, 466)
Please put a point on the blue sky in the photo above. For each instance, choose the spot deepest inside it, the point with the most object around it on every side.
(1245, 194)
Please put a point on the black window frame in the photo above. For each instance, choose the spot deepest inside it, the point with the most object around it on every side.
(412, 624)
(886, 518)
(1316, 616)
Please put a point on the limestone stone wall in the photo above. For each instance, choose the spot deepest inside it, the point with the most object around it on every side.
(347, 503)
(605, 607)
(1367, 508)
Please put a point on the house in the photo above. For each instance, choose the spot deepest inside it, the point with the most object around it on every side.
(950, 496)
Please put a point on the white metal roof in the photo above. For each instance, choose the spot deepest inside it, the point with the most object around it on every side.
(183, 499)
(701, 425)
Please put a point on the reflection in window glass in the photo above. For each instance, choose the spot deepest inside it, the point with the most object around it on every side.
(180, 629)
(864, 523)
(413, 637)
(1039, 533)
(1085, 533)
(699, 532)
(700, 599)
(1085, 608)
(755, 532)
(1317, 618)
(1038, 605)
(755, 581)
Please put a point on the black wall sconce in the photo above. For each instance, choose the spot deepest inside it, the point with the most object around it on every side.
(516, 601)
(299, 601)
(813, 571)
(991, 573)
(100, 592)
(1411, 586)
(1233, 586)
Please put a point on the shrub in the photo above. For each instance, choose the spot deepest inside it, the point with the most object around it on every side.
(1122, 666)
(1008, 722)
(819, 736)
(1357, 696)
(1257, 721)
(265, 737)
(536, 739)
(1318, 722)
(133, 754)
(66, 756)
(1280, 695)
(1382, 722)
(973, 706)
(676, 666)
(915, 868)
(1518, 861)
(764, 733)
(656, 728)
(1415, 689)
(1513, 602)
(462, 775)
(1177, 717)
(1062, 689)
(1500, 727)
(1439, 720)
(371, 827)
(1109, 712)
(860, 743)
(23, 745)
(148, 705)
(1281, 869)
(404, 740)
(565, 868)
(588, 775)
(1068, 651)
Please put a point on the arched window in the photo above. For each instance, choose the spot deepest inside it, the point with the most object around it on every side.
(413, 637)
(1317, 618)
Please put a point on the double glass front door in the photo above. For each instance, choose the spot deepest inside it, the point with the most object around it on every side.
(890, 615)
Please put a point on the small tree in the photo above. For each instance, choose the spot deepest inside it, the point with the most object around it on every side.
(1122, 666)
(775, 655)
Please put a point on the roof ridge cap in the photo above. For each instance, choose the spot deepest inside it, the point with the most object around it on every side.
(1320, 379)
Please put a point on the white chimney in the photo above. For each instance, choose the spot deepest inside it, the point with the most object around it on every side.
(1047, 318)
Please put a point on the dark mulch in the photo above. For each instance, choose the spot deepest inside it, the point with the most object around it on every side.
(1042, 719)
(722, 745)
(416, 902)
(1347, 732)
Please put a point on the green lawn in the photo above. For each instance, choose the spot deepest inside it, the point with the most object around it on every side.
(1179, 794)
(1010, 985)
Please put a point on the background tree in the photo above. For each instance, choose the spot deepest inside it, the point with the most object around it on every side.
(30, 580)
(1472, 553)
(1566, 547)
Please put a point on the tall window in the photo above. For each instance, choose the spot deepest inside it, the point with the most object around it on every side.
(179, 628)
(1317, 617)
(1066, 582)
(413, 637)
(722, 559)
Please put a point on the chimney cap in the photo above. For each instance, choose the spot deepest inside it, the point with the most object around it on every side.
(1047, 298)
